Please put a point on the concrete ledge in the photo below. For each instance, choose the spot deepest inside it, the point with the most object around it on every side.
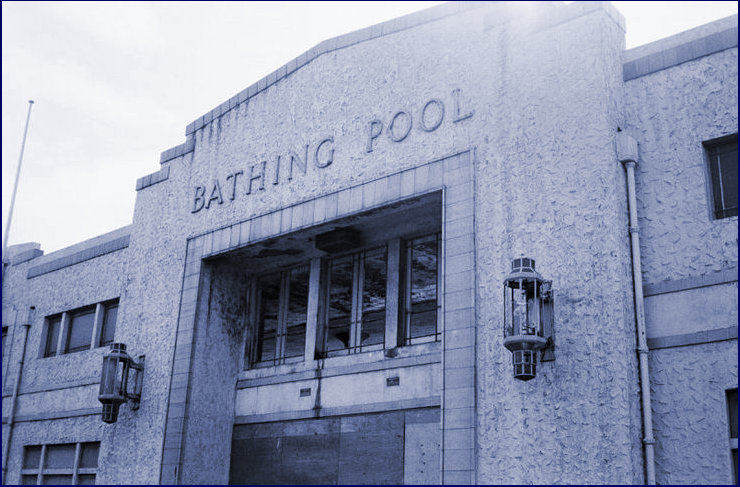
(26, 256)
(707, 336)
(723, 277)
(686, 46)
(178, 150)
(69, 260)
(153, 178)
(423, 402)
(57, 415)
(398, 363)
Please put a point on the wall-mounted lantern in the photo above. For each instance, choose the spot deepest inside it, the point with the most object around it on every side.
(527, 316)
(114, 381)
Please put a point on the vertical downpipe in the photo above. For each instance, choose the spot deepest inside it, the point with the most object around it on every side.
(628, 156)
(16, 388)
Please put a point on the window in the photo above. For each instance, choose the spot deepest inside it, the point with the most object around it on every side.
(355, 303)
(69, 463)
(80, 329)
(367, 283)
(281, 317)
(420, 296)
(732, 426)
(722, 159)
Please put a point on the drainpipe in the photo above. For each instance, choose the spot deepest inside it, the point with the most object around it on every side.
(627, 154)
(16, 388)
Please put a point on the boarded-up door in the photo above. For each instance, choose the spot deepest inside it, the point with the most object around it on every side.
(362, 449)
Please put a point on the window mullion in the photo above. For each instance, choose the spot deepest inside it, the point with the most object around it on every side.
(42, 462)
(63, 331)
(407, 295)
(97, 325)
(282, 316)
(313, 305)
(78, 448)
(360, 300)
(392, 293)
(440, 283)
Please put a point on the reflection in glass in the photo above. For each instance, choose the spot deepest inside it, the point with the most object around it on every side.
(295, 320)
(422, 302)
(80, 331)
(269, 308)
(339, 303)
(373, 298)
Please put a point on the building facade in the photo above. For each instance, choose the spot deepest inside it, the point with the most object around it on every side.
(314, 278)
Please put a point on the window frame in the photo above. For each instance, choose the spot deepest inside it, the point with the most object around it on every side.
(41, 470)
(405, 338)
(711, 147)
(66, 322)
(256, 322)
(733, 439)
(358, 257)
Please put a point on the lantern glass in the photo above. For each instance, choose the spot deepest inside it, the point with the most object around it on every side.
(114, 381)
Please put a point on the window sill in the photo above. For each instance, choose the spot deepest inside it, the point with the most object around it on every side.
(408, 356)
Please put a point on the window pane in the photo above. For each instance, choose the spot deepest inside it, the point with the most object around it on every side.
(86, 480)
(31, 456)
(728, 168)
(52, 335)
(423, 287)
(732, 408)
(57, 480)
(29, 480)
(373, 298)
(60, 456)
(295, 340)
(89, 455)
(340, 304)
(109, 324)
(80, 331)
(269, 306)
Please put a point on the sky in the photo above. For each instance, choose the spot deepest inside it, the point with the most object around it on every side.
(116, 83)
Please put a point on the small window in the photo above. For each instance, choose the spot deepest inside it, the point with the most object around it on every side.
(732, 427)
(108, 326)
(722, 159)
(5, 336)
(80, 332)
(53, 325)
(421, 294)
(69, 463)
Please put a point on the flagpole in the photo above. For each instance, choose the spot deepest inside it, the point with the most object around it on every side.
(15, 186)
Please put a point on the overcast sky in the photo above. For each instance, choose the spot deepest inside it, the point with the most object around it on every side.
(115, 84)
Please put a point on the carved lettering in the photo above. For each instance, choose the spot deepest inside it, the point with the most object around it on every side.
(233, 186)
(391, 132)
(200, 199)
(260, 175)
(330, 158)
(374, 130)
(458, 117)
(215, 194)
(440, 115)
(277, 171)
(302, 164)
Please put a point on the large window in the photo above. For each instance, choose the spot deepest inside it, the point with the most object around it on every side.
(362, 298)
(80, 329)
(65, 464)
(722, 159)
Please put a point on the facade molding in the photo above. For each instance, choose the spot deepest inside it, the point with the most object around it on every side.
(725, 276)
(697, 338)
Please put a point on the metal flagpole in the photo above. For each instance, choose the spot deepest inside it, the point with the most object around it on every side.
(15, 187)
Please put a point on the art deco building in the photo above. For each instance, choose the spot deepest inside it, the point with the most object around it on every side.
(482, 243)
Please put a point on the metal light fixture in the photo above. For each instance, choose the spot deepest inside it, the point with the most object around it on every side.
(114, 381)
(527, 316)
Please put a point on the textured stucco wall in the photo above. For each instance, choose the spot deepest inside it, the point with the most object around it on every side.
(670, 113)
(690, 412)
(549, 186)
